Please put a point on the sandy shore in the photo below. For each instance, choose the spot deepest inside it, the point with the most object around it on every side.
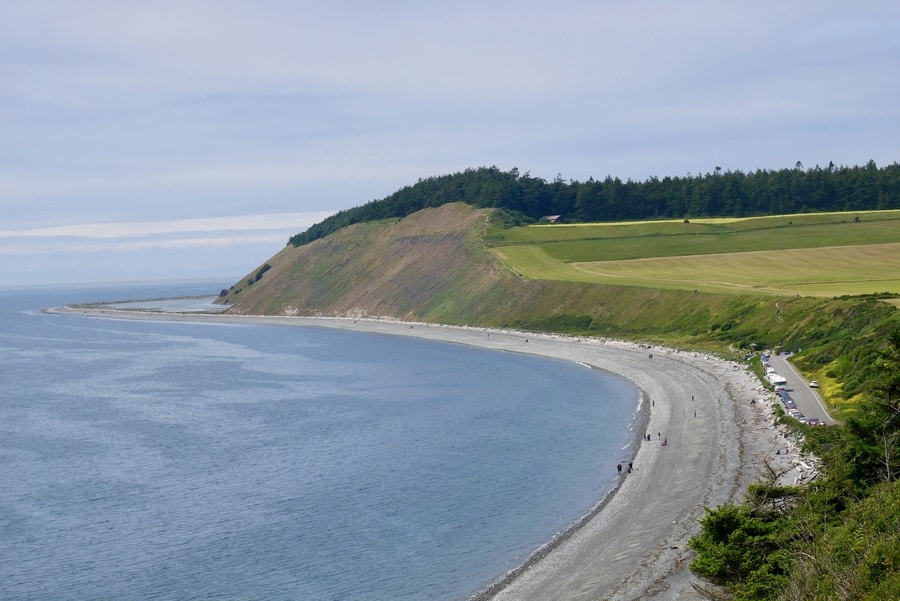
(634, 545)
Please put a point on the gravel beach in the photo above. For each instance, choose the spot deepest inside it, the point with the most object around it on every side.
(634, 545)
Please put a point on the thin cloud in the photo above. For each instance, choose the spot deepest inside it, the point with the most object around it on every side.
(191, 243)
(280, 221)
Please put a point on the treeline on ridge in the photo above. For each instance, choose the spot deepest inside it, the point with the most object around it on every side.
(716, 194)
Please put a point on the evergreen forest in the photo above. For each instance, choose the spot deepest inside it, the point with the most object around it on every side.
(716, 194)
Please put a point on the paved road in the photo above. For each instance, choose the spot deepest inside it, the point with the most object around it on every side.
(807, 399)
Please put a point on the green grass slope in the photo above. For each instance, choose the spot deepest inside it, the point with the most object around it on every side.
(675, 237)
(822, 254)
(822, 271)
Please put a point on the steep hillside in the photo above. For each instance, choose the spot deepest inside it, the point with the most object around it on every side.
(429, 266)
(433, 266)
(426, 266)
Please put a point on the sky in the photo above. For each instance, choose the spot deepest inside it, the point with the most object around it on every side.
(189, 139)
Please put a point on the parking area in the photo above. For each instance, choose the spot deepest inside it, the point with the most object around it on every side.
(798, 397)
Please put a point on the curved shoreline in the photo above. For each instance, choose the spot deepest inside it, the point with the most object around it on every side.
(633, 543)
(543, 551)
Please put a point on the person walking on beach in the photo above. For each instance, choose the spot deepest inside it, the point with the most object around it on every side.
(619, 467)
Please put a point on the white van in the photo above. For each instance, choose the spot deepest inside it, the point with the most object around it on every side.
(776, 380)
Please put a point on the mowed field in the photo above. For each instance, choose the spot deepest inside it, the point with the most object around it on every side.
(822, 254)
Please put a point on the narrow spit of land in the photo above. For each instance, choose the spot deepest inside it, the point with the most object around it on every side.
(635, 544)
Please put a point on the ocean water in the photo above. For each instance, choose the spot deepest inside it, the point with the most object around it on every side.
(179, 461)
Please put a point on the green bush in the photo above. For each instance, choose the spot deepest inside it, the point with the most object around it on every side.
(744, 550)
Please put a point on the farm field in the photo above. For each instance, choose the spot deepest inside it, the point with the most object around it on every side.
(823, 255)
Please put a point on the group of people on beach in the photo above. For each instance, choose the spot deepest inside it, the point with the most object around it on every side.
(648, 437)
(664, 441)
(630, 467)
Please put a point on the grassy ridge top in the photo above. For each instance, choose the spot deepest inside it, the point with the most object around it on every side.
(825, 255)
(673, 237)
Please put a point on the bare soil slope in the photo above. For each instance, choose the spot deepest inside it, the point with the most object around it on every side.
(415, 268)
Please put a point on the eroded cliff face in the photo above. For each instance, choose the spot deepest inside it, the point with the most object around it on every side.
(433, 266)
(428, 266)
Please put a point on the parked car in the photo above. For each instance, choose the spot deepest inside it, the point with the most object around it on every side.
(813, 384)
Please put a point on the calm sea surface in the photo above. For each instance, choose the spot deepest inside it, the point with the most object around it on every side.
(178, 461)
